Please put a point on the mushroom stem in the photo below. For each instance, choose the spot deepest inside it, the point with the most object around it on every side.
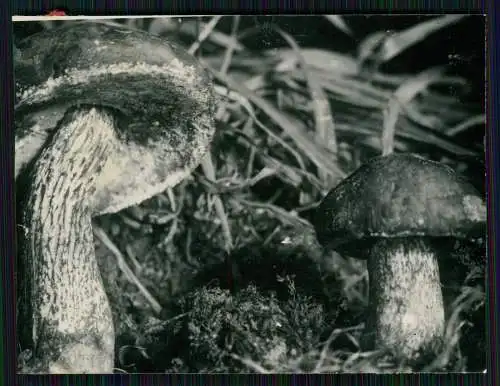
(63, 298)
(406, 302)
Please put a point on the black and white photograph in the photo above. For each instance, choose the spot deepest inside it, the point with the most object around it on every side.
(250, 194)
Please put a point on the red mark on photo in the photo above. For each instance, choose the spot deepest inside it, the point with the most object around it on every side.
(57, 12)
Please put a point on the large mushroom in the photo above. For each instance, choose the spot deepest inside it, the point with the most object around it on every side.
(106, 117)
(395, 211)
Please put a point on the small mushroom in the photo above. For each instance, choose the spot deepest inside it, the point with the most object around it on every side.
(106, 117)
(394, 211)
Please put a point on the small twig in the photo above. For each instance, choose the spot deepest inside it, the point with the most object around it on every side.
(131, 256)
(473, 121)
(189, 256)
(251, 158)
(283, 214)
(101, 235)
(227, 62)
(121, 371)
(204, 34)
(230, 48)
(171, 198)
(334, 335)
(171, 232)
(208, 169)
(250, 364)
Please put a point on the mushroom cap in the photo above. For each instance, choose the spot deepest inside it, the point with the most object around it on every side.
(400, 195)
(160, 96)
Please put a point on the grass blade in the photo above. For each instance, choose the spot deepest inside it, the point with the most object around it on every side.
(318, 155)
(325, 127)
(403, 40)
(339, 22)
(403, 95)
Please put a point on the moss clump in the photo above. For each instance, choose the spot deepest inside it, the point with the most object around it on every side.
(220, 331)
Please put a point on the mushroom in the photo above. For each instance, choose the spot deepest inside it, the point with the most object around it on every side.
(395, 211)
(106, 117)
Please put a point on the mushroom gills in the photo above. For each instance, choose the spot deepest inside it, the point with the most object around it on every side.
(407, 312)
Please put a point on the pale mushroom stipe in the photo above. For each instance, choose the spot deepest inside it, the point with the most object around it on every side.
(389, 211)
(106, 117)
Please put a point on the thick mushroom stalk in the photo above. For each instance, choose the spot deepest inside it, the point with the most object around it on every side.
(392, 211)
(69, 317)
(407, 310)
(106, 117)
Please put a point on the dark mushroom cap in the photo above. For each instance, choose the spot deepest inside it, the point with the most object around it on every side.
(400, 195)
(160, 97)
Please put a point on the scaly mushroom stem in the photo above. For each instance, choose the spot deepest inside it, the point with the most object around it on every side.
(62, 293)
(406, 302)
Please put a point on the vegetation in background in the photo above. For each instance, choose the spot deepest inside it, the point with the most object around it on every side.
(223, 273)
